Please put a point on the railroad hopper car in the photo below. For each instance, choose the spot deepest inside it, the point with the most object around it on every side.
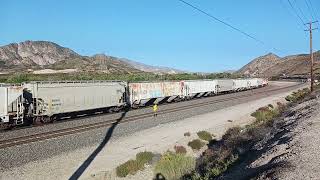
(240, 84)
(224, 85)
(145, 93)
(45, 101)
(198, 88)
(56, 98)
(11, 108)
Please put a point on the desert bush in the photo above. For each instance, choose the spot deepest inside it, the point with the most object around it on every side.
(180, 149)
(298, 95)
(144, 157)
(196, 144)
(204, 135)
(173, 166)
(129, 167)
(265, 114)
(132, 166)
(187, 134)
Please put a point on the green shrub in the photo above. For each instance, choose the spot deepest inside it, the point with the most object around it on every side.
(271, 106)
(132, 166)
(204, 135)
(298, 95)
(144, 157)
(180, 149)
(265, 114)
(129, 167)
(196, 144)
(173, 166)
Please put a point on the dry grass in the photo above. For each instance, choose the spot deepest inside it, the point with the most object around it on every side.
(133, 166)
(180, 149)
(174, 166)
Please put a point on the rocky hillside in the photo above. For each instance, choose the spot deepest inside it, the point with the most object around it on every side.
(154, 69)
(258, 66)
(272, 65)
(43, 55)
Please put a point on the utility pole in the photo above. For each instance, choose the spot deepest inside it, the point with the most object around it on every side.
(311, 53)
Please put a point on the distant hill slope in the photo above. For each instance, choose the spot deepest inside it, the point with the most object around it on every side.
(154, 69)
(272, 65)
(258, 66)
(40, 55)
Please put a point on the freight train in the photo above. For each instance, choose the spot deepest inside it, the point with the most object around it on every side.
(42, 102)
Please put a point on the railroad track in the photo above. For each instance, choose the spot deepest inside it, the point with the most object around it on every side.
(79, 129)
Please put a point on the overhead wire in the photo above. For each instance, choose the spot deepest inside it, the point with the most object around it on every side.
(227, 24)
(314, 15)
(300, 10)
(309, 8)
(295, 11)
(302, 26)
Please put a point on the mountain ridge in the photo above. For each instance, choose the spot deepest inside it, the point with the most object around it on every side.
(41, 55)
(272, 65)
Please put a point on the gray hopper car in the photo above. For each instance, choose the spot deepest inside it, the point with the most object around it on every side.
(46, 99)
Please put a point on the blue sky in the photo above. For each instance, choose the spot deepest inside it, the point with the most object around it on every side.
(161, 32)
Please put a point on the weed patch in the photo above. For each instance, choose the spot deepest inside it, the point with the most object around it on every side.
(174, 166)
(204, 135)
(144, 157)
(180, 149)
(196, 144)
(133, 166)
(129, 167)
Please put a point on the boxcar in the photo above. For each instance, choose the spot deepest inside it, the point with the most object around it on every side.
(142, 93)
(198, 88)
(11, 108)
(224, 85)
(50, 98)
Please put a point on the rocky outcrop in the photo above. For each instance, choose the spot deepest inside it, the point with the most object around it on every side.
(272, 65)
(258, 66)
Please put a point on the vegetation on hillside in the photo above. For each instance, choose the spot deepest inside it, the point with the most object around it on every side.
(237, 141)
(26, 77)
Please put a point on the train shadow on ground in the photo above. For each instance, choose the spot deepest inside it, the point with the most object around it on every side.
(88, 161)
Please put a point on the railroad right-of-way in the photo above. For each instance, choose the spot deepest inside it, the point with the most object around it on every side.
(92, 130)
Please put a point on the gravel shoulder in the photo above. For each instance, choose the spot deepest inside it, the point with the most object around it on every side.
(158, 137)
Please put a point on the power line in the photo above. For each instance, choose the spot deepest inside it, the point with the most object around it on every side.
(221, 21)
(311, 9)
(285, 7)
(229, 25)
(295, 11)
(311, 13)
(301, 12)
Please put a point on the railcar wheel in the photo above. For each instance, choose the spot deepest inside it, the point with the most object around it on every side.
(37, 120)
(46, 119)
(6, 126)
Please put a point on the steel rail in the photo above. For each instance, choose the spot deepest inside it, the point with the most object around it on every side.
(78, 129)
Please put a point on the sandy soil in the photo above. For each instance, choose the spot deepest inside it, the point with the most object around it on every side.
(158, 139)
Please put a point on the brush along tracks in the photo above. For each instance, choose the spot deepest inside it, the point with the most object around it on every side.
(83, 128)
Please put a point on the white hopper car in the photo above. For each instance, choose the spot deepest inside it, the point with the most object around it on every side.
(144, 93)
(46, 101)
(198, 88)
